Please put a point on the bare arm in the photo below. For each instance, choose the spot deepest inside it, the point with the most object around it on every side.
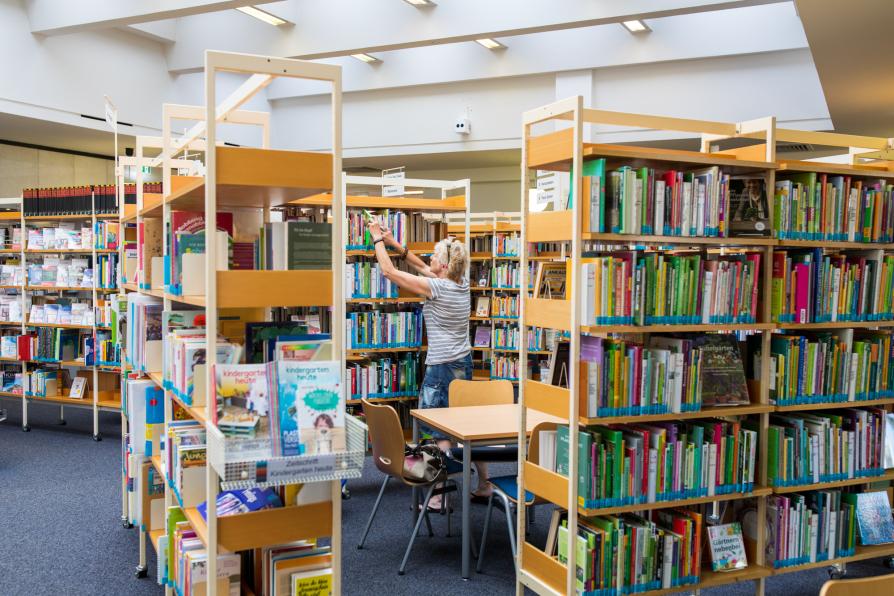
(412, 260)
(406, 281)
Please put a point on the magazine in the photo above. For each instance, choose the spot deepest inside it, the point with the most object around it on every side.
(309, 408)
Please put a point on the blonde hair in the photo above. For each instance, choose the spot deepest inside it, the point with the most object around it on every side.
(453, 256)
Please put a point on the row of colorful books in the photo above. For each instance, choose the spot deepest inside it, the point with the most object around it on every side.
(830, 367)
(365, 280)
(626, 554)
(813, 287)
(508, 275)
(663, 461)
(71, 200)
(665, 375)
(505, 367)
(69, 273)
(412, 227)
(386, 377)
(506, 244)
(501, 307)
(825, 446)
(507, 338)
(635, 288)
(378, 329)
(62, 313)
(643, 201)
(811, 206)
(811, 527)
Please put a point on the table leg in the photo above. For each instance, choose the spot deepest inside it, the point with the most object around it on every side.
(467, 506)
(415, 503)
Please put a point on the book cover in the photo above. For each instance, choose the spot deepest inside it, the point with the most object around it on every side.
(748, 203)
(243, 407)
(308, 245)
(482, 337)
(260, 338)
(727, 547)
(317, 582)
(722, 374)
(310, 409)
(482, 306)
(874, 520)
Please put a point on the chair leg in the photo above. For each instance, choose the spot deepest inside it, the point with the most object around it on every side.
(372, 514)
(403, 564)
(507, 508)
(490, 508)
(431, 532)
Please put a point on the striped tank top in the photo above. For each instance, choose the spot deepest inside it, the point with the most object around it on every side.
(446, 316)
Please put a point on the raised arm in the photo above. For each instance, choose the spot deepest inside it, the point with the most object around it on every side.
(407, 281)
(412, 260)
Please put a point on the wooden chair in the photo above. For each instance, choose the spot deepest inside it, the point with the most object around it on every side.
(878, 585)
(387, 439)
(506, 489)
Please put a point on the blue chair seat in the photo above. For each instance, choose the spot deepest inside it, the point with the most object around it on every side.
(489, 454)
(509, 485)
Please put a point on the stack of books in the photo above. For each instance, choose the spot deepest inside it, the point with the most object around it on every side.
(825, 446)
(359, 237)
(831, 367)
(504, 307)
(813, 206)
(625, 554)
(386, 377)
(667, 375)
(634, 288)
(504, 367)
(663, 461)
(365, 280)
(508, 275)
(506, 244)
(377, 329)
(810, 527)
(813, 287)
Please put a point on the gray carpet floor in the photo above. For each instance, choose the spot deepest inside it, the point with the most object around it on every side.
(60, 529)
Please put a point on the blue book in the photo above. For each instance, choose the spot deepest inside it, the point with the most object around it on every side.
(873, 517)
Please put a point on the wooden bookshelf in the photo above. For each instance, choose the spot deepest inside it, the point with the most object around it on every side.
(563, 151)
(241, 179)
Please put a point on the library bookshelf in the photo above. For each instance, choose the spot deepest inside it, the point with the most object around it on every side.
(494, 246)
(255, 183)
(546, 148)
(99, 396)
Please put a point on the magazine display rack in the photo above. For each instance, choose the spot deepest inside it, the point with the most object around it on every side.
(553, 139)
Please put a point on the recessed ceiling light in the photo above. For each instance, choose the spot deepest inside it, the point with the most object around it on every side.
(262, 15)
(365, 58)
(636, 26)
(420, 2)
(491, 44)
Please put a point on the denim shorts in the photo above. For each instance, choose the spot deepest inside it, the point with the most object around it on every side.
(435, 385)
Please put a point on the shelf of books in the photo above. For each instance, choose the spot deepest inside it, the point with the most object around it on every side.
(724, 367)
(58, 275)
(494, 276)
(384, 331)
(238, 436)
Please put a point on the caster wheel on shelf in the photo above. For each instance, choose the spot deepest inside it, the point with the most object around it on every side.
(97, 437)
(836, 574)
(889, 562)
(141, 572)
(126, 524)
(26, 429)
(345, 493)
(62, 422)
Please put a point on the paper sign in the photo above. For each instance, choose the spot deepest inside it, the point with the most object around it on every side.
(393, 190)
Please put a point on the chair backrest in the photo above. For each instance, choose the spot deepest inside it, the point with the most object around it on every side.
(387, 438)
(463, 393)
(865, 586)
(534, 443)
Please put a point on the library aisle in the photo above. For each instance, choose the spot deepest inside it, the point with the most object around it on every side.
(92, 553)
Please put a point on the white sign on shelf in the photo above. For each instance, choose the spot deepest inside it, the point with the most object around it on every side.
(297, 467)
(111, 114)
(394, 190)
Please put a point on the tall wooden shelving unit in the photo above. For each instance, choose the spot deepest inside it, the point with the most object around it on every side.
(490, 226)
(96, 399)
(253, 180)
(562, 147)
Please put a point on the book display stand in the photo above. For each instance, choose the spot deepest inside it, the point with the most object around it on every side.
(554, 140)
(250, 183)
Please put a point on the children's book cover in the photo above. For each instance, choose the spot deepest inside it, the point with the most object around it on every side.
(310, 408)
(727, 547)
(243, 407)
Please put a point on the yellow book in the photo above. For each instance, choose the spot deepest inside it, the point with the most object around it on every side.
(312, 583)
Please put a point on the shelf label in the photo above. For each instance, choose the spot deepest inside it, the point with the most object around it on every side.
(393, 190)
(296, 467)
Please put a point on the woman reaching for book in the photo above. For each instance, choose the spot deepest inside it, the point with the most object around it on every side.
(446, 314)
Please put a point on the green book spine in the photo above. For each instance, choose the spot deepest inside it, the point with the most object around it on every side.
(562, 450)
(584, 466)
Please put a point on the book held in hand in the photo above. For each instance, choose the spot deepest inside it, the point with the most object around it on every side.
(727, 547)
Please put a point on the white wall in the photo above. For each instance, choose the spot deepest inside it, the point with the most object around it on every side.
(22, 167)
(59, 78)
